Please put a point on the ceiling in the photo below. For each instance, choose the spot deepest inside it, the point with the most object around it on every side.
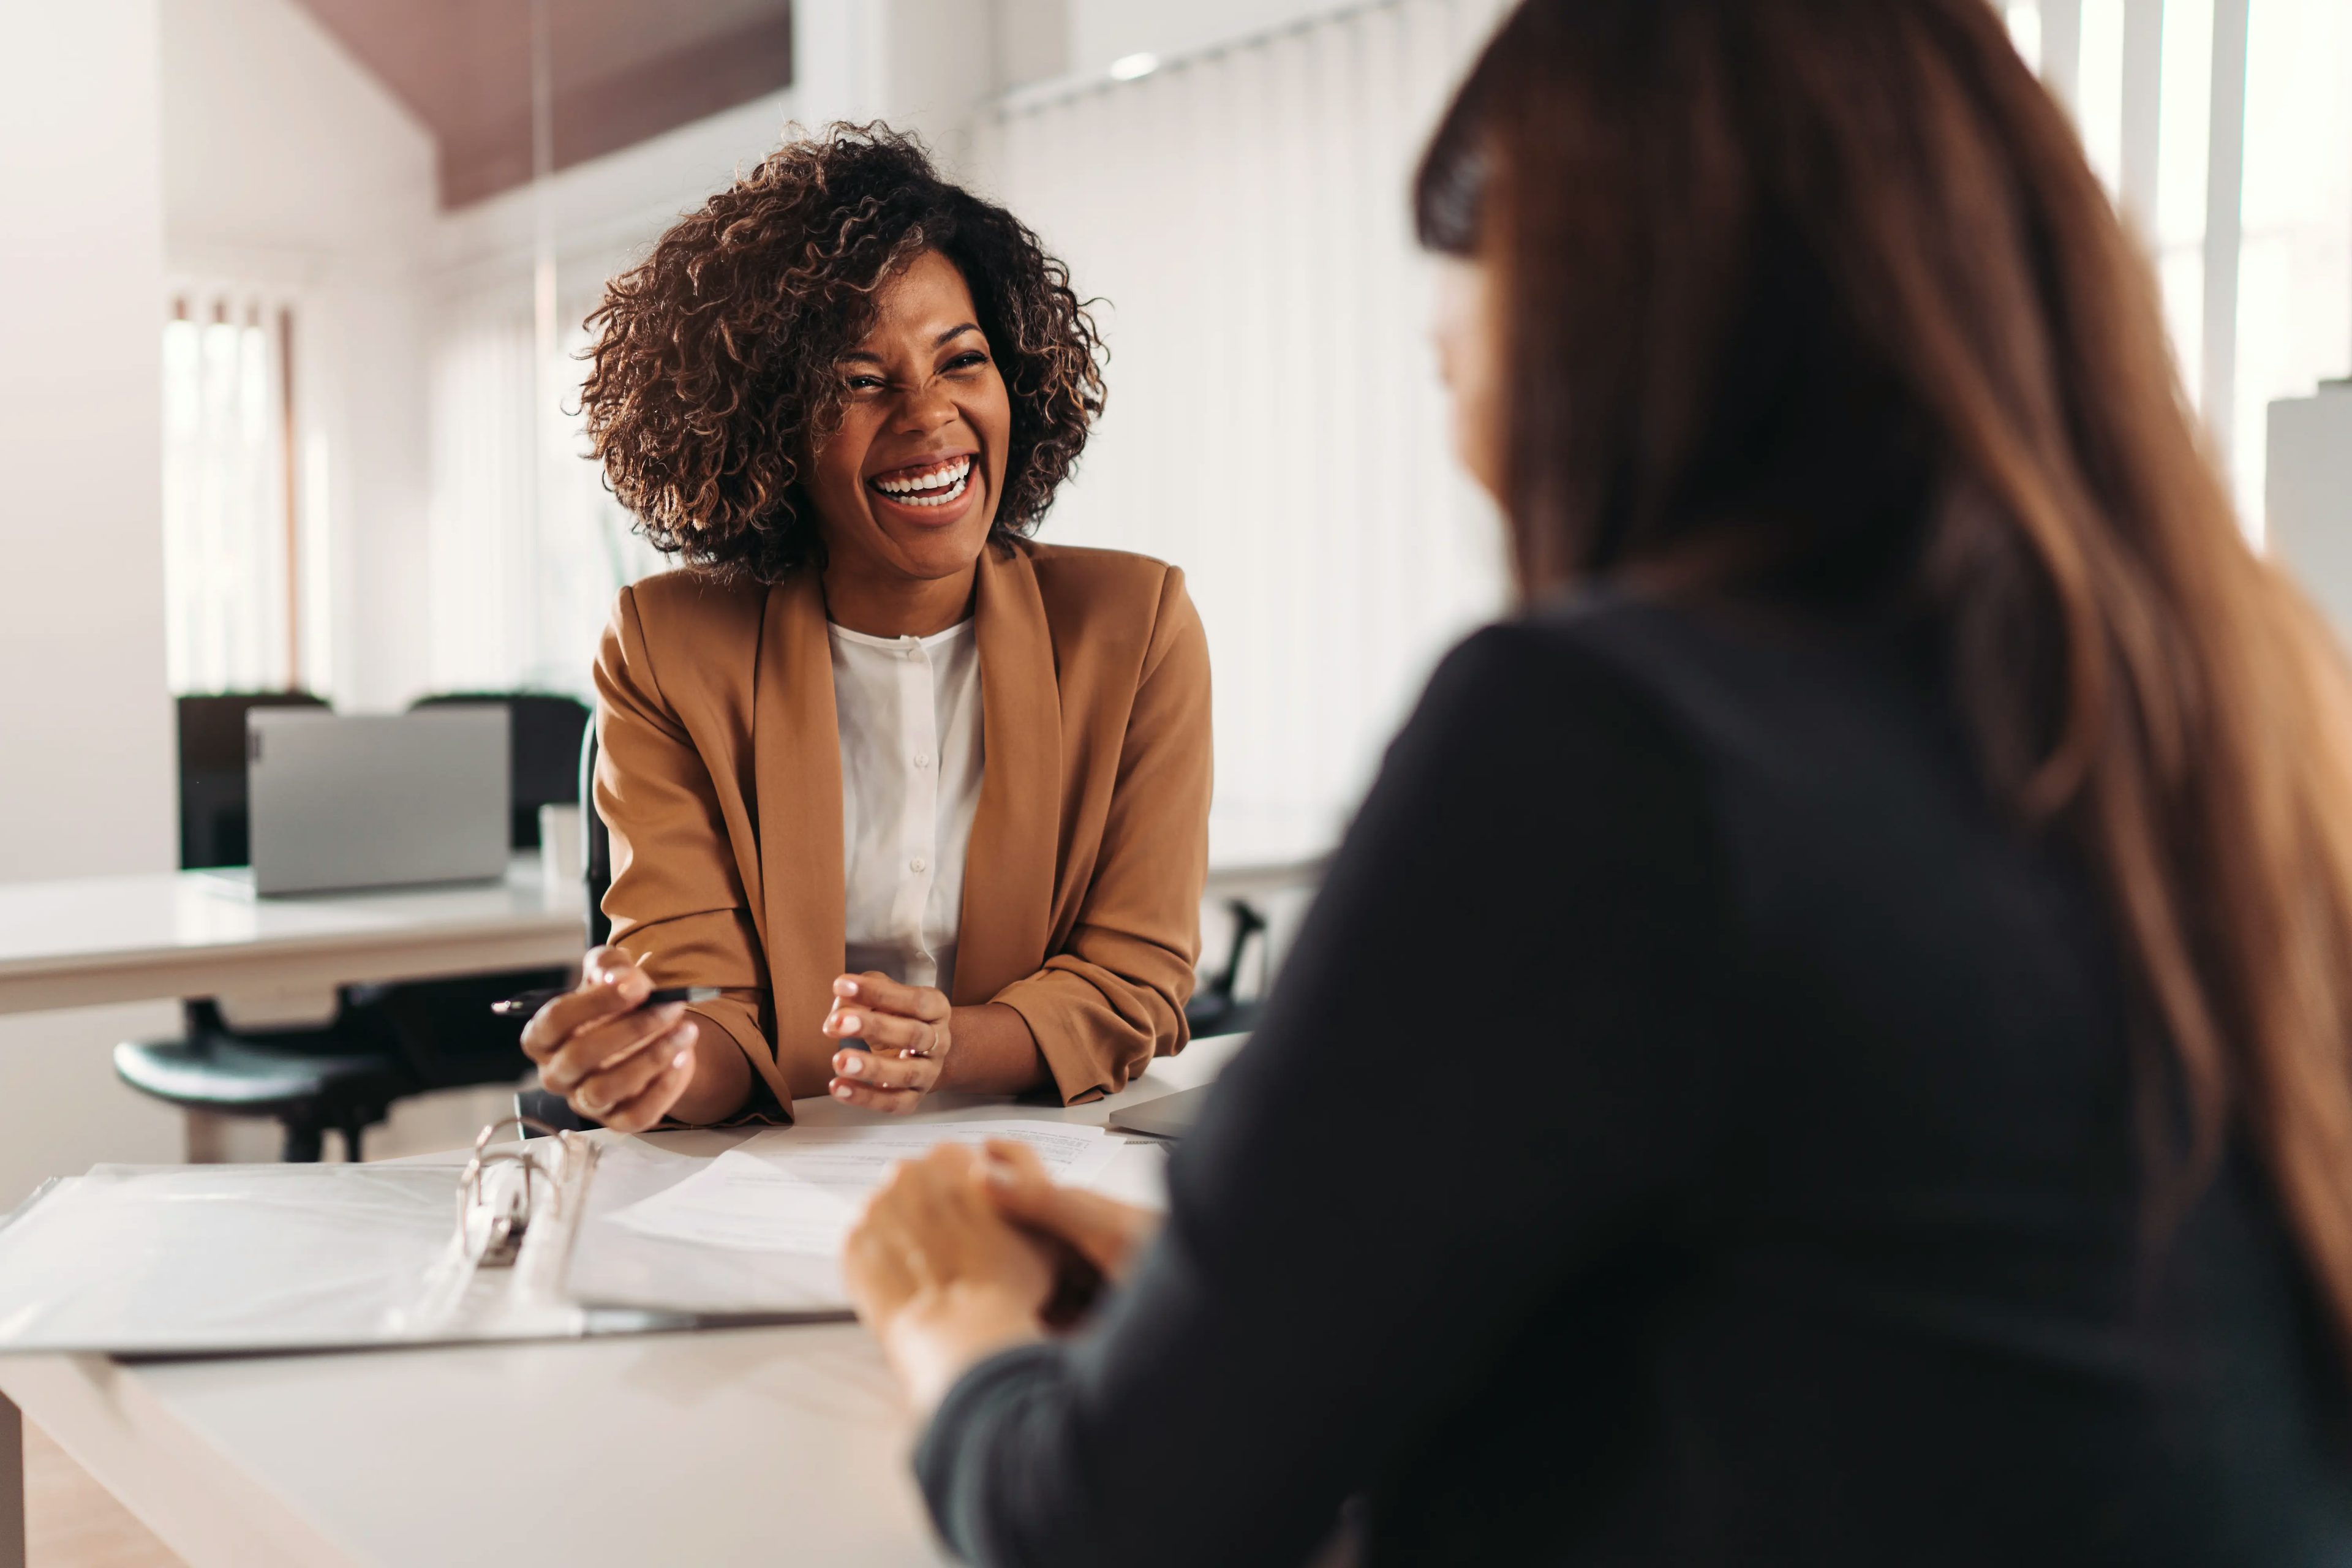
(624, 70)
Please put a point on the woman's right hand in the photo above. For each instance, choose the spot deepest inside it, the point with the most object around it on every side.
(612, 1061)
(1106, 1234)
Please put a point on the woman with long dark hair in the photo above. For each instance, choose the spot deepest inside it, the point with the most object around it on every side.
(1828, 1042)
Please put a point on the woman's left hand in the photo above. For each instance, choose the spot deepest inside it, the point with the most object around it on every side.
(937, 1273)
(907, 1032)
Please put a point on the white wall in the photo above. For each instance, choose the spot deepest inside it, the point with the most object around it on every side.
(86, 774)
(1102, 31)
(926, 65)
(602, 211)
(285, 163)
(85, 724)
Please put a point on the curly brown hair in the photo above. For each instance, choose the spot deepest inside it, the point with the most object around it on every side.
(714, 377)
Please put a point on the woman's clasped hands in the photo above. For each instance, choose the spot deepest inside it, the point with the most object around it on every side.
(968, 1251)
(895, 1038)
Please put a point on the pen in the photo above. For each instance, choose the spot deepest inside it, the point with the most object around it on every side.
(533, 1001)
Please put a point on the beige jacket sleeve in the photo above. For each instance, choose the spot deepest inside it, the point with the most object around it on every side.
(1114, 996)
(675, 872)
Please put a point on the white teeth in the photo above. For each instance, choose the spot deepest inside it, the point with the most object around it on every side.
(947, 473)
(941, 499)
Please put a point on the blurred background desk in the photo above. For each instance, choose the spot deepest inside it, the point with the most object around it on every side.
(80, 942)
(741, 1446)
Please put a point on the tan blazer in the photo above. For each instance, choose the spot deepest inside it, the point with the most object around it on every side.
(720, 776)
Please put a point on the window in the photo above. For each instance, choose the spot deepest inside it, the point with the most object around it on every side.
(237, 569)
(2225, 127)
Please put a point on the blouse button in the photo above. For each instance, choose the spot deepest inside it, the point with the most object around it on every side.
(916, 863)
(922, 759)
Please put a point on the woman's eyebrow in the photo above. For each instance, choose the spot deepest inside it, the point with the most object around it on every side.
(942, 340)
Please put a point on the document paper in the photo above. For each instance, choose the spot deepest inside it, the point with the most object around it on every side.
(798, 1190)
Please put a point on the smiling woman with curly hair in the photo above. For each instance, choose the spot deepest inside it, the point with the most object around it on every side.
(924, 802)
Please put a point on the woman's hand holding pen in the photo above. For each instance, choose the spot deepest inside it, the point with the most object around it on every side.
(614, 1059)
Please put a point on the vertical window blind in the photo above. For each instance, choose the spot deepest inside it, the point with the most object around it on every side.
(1275, 423)
(233, 579)
(526, 548)
(2224, 130)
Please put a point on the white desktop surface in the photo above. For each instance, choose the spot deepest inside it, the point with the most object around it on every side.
(785, 1444)
(89, 941)
(82, 941)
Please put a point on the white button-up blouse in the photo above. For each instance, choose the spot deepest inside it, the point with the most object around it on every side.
(908, 710)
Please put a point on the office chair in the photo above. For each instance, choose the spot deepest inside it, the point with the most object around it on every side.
(595, 845)
(385, 1043)
(545, 730)
(453, 1038)
(545, 1106)
(1216, 1008)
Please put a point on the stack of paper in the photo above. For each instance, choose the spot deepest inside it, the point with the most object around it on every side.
(799, 1191)
(760, 1229)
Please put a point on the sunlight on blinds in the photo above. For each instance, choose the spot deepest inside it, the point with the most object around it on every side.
(2146, 77)
(1275, 425)
(225, 502)
(2295, 279)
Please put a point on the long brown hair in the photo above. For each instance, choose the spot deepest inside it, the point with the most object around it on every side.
(1739, 245)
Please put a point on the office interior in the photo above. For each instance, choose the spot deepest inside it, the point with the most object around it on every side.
(294, 295)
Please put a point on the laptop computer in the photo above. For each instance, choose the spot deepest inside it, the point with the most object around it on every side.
(1164, 1116)
(340, 802)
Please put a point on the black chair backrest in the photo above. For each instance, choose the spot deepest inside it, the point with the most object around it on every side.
(546, 744)
(215, 829)
(596, 843)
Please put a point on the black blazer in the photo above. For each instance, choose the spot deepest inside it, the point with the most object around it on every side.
(1695, 1127)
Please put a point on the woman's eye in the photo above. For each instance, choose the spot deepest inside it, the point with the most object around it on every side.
(968, 361)
(864, 382)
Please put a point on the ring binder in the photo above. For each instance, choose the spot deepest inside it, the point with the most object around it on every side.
(519, 1231)
(502, 1228)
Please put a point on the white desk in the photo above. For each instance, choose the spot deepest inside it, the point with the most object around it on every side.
(87, 941)
(761, 1444)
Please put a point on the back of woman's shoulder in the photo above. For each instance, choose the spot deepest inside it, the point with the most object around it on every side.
(1732, 661)
(1594, 636)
